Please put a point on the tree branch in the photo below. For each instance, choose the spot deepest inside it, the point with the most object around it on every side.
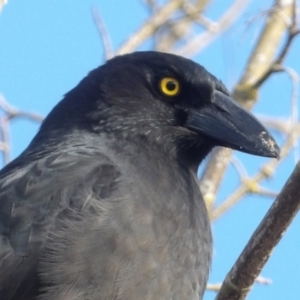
(246, 90)
(104, 35)
(150, 27)
(245, 187)
(203, 39)
(240, 279)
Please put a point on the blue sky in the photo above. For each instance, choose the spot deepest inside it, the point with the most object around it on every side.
(46, 47)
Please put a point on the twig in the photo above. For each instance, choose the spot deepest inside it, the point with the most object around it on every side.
(266, 192)
(238, 165)
(104, 35)
(180, 29)
(294, 111)
(293, 31)
(281, 125)
(263, 280)
(200, 19)
(245, 91)
(159, 18)
(240, 279)
(12, 112)
(5, 137)
(213, 174)
(202, 40)
(2, 3)
(215, 287)
(9, 113)
(266, 171)
(152, 5)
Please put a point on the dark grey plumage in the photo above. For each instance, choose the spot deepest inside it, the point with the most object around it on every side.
(104, 203)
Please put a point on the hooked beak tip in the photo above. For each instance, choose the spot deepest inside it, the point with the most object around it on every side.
(270, 145)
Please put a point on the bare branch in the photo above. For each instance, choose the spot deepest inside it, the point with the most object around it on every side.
(261, 61)
(238, 165)
(181, 28)
(104, 35)
(266, 192)
(5, 139)
(152, 4)
(281, 125)
(293, 31)
(263, 280)
(215, 287)
(150, 27)
(246, 91)
(2, 3)
(266, 171)
(200, 19)
(294, 111)
(202, 40)
(213, 174)
(12, 112)
(240, 279)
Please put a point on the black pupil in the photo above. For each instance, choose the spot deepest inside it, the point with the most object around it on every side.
(171, 86)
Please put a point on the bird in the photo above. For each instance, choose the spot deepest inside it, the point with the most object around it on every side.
(104, 203)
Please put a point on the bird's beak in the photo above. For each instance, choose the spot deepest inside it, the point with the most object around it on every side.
(231, 126)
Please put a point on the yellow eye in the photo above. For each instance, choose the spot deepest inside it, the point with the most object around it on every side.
(169, 86)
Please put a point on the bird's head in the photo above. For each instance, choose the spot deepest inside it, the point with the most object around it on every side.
(165, 100)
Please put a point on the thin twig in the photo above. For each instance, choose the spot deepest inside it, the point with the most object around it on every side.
(266, 171)
(245, 91)
(238, 165)
(5, 137)
(281, 125)
(13, 112)
(203, 39)
(2, 3)
(266, 192)
(103, 32)
(215, 287)
(200, 19)
(150, 27)
(294, 110)
(180, 29)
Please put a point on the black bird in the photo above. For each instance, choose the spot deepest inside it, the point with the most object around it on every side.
(104, 202)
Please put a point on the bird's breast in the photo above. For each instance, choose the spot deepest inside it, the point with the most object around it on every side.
(149, 239)
(166, 246)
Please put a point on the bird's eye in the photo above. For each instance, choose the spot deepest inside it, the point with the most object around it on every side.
(169, 86)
